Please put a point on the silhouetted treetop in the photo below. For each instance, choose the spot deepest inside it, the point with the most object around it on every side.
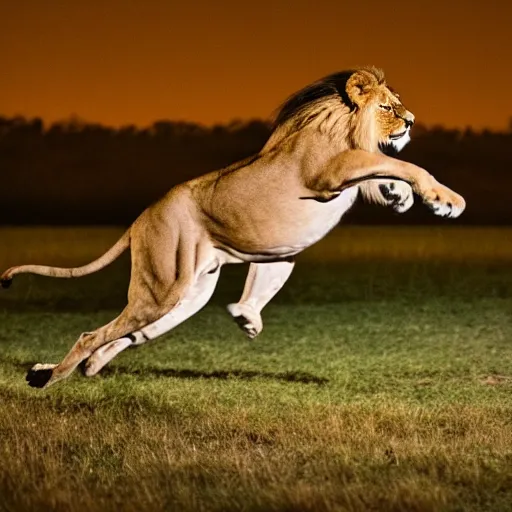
(73, 171)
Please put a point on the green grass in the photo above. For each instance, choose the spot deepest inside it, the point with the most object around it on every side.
(382, 381)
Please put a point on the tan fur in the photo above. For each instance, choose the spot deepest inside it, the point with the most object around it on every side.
(264, 210)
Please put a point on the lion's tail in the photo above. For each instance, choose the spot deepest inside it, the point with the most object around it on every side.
(113, 253)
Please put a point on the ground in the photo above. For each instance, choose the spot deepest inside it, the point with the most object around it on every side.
(382, 381)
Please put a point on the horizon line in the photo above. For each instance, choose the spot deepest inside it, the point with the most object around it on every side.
(75, 118)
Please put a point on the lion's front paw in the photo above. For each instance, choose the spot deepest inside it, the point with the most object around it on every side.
(443, 201)
(247, 319)
(398, 194)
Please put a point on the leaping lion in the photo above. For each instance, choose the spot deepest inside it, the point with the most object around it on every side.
(329, 142)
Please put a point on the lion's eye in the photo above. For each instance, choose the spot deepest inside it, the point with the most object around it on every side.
(385, 107)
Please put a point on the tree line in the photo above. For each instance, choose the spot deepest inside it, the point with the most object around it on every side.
(74, 172)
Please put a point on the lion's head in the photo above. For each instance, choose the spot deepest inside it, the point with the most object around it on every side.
(356, 107)
(379, 109)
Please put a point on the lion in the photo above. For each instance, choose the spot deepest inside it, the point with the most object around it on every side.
(330, 141)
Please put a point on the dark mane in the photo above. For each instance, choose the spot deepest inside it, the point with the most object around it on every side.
(298, 106)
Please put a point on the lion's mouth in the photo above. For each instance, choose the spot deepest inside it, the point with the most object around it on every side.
(395, 142)
(397, 136)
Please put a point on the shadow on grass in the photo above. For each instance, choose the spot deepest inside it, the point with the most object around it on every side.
(301, 377)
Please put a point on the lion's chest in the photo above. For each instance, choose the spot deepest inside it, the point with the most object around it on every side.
(323, 217)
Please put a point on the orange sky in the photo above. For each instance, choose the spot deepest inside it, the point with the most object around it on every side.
(127, 61)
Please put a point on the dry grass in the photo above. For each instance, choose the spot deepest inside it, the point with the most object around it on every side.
(376, 385)
(348, 457)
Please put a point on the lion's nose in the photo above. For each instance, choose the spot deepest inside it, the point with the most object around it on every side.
(409, 122)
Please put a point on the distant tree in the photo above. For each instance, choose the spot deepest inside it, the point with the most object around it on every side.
(129, 130)
(419, 130)
(468, 132)
(75, 167)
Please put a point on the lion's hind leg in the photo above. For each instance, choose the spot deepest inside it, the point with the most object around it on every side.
(42, 375)
(158, 283)
(194, 300)
(105, 354)
(132, 319)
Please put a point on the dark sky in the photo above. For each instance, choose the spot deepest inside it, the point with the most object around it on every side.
(127, 61)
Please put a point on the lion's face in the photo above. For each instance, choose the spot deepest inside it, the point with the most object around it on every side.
(393, 120)
(381, 106)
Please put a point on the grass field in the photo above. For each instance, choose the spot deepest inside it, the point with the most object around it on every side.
(382, 381)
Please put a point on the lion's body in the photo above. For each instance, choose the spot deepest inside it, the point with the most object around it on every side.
(326, 147)
(247, 214)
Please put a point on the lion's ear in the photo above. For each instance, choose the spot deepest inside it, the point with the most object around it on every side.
(360, 84)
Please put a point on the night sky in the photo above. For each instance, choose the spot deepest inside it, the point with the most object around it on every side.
(120, 62)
